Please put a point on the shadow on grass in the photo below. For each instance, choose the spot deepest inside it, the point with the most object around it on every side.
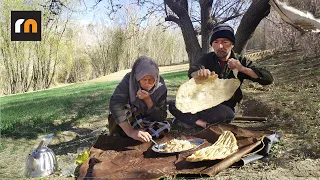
(73, 145)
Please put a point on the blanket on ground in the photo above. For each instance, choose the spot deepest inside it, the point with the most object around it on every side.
(124, 158)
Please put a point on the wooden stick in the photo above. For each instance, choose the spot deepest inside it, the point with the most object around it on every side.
(227, 162)
(250, 118)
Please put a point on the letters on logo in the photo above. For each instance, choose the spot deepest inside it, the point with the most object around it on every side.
(25, 25)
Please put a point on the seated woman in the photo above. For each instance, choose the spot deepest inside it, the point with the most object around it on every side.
(138, 105)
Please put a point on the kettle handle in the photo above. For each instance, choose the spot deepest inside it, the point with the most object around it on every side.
(46, 140)
(40, 145)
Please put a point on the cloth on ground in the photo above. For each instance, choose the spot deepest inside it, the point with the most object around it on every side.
(114, 157)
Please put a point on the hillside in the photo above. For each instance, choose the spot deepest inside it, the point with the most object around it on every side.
(292, 105)
(292, 102)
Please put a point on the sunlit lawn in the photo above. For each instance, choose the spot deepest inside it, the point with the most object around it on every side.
(30, 114)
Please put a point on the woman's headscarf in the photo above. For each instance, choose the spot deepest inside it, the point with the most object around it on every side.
(144, 66)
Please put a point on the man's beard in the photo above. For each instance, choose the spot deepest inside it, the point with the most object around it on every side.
(222, 53)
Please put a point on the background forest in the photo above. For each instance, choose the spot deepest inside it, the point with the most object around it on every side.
(72, 52)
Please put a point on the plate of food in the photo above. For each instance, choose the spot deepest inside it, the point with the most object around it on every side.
(177, 145)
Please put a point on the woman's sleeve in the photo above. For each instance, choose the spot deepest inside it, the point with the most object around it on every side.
(119, 99)
(265, 77)
(158, 112)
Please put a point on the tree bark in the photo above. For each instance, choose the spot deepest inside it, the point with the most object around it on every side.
(189, 35)
(191, 42)
(258, 10)
(206, 24)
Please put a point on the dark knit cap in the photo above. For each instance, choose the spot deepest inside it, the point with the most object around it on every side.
(222, 31)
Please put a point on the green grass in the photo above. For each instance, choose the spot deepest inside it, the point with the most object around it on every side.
(175, 76)
(30, 114)
(173, 81)
(27, 115)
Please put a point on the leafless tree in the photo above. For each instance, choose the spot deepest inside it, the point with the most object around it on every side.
(193, 17)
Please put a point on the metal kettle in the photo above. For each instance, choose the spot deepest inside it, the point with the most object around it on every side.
(42, 161)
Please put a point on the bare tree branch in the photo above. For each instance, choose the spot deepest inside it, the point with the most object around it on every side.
(173, 19)
(230, 18)
(199, 19)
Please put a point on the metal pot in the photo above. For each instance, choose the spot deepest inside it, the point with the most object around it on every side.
(42, 161)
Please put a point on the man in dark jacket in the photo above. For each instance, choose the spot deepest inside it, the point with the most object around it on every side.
(227, 64)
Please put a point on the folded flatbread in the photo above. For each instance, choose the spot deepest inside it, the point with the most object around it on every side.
(196, 95)
(222, 148)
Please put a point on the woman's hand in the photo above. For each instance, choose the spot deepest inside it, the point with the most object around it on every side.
(140, 135)
(142, 94)
(145, 96)
(136, 134)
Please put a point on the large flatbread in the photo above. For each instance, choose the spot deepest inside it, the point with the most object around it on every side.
(222, 148)
(196, 95)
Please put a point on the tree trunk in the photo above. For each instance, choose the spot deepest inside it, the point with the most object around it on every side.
(180, 8)
(251, 19)
(190, 38)
(206, 23)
